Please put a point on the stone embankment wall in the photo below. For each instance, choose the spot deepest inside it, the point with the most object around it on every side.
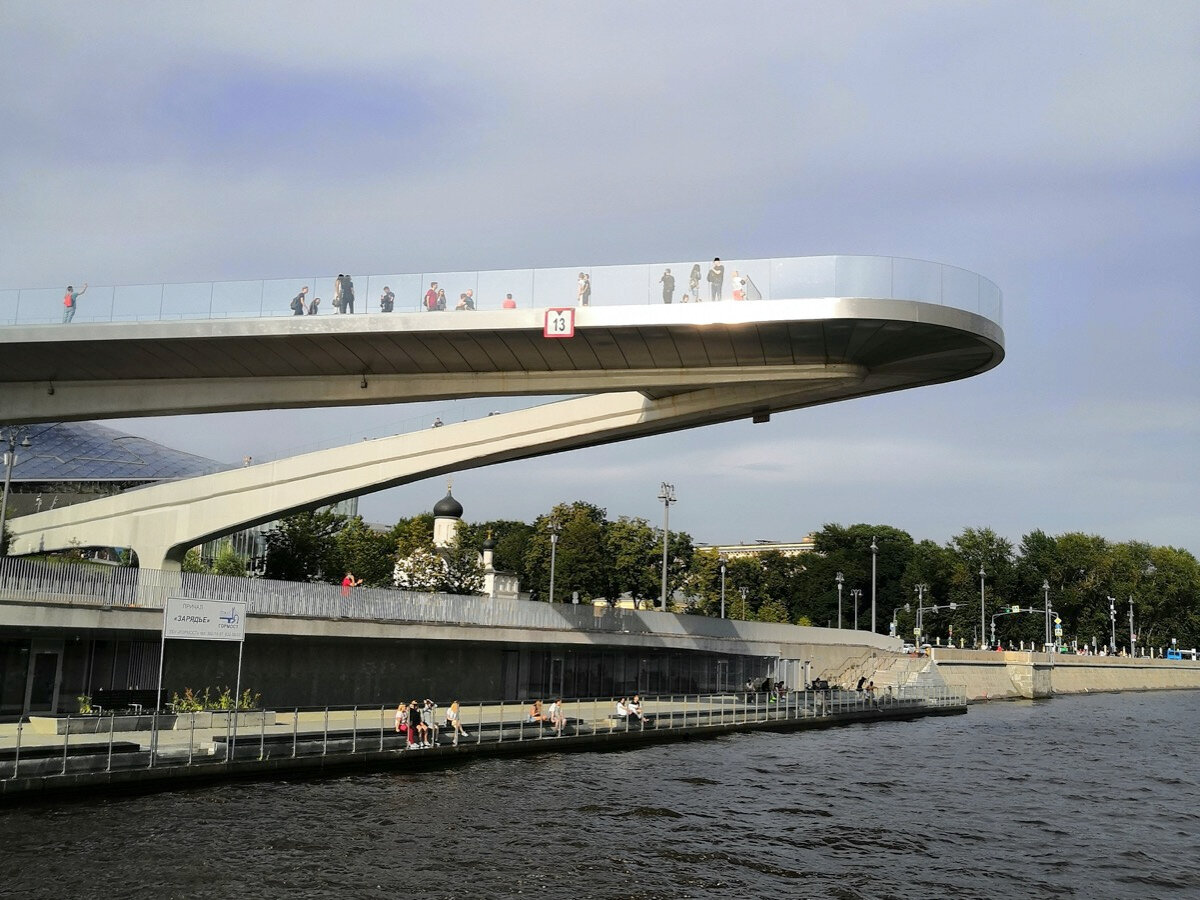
(986, 675)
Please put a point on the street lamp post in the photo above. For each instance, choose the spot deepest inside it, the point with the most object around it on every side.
(856, 595)
(744, 591)
(554, 528)
(1112, 618)
(874, 554)
(920, 590)
(839, 578)
(667, 495)
(723, 559)
(1132, 636)
(982, 612)
(14, 437)
(1046, 592)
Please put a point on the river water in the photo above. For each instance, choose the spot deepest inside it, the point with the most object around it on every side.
(1093, 797)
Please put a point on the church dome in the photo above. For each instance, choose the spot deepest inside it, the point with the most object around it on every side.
(448, 507)
(490, 543)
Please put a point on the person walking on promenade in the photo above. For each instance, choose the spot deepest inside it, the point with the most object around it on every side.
(668, 283)
(300, 302)
(454, 722)
(694, 282)
(71, 302)
(716, 279)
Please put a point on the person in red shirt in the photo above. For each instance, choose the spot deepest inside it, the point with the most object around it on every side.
(348, 582)
(431, 297)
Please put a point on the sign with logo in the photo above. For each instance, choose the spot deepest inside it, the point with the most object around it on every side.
(560, 323)
(205, 620)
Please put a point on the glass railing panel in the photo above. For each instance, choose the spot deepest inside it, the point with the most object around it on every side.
(276, 294)
(960, 288)
(237, 299)
(991, 301)
(812, 276)
(553, 288)
(494, 286)
(44, 306)
(455, 284)
(626, 285)
(916, 279)
(756, 274)
(10, 307)
(133, 303)
(189, 301)
(864, 276)
(409, 291)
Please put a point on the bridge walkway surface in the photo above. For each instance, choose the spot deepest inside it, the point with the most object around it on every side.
(78, 757)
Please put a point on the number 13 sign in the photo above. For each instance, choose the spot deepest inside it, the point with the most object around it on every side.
(560, 323)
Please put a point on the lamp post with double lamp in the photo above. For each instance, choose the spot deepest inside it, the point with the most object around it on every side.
(744, 591)
(874, 554)
(555, 529)
(14, 436)
(920, 590)
(855, 595)
(723, 559)
(839, 578)
(667, 495)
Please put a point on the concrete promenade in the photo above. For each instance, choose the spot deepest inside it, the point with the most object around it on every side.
(321, 741)
(1011, 675)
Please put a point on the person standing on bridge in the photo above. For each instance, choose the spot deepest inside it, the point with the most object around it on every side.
(349, 582)
(387, 301)
(71, 302)
(431, 297)
(300, 302)
(584, 291)
(338, 286)
(347, 295)
(314, 306)
(716, 279)
(694, 282)
(668, 283)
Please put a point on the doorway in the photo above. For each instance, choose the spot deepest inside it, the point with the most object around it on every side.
(555, 687)
(45, 677)
(722, 676)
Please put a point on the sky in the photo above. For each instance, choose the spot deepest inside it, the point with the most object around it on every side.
(1051, 147)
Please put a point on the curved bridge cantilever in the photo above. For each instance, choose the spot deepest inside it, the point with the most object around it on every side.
(649, 369)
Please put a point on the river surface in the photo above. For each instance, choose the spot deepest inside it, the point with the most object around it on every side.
(1093, 797)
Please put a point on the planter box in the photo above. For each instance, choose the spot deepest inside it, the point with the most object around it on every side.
(98, 724)
(220, 721)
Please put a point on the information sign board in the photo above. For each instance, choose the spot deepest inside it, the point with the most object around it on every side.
(205, 620)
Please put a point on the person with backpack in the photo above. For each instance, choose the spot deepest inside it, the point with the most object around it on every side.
(299, 302)
(716, 279)
(71, 302)
(387, 302)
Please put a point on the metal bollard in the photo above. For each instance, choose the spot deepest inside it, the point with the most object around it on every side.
(382, 722)
(354, 730)
(479, 726)
(295, 729)
(66, 740)
(17, 755)
(500, 738)
(262, 739)
(325, 735)
(191, 739)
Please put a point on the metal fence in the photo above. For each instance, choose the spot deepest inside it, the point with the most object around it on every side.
(105, 744)
(109, 587)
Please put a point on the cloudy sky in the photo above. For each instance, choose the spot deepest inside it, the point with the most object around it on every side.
(1052, 147)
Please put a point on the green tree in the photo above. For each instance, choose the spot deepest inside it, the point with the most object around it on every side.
(463, 573)
(580, 562)
(422, 569)
(192, 562)
(369, 554)
(409, 534)
(302, 548)
(228, 561)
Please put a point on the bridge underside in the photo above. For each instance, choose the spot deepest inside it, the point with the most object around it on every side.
(647, 370)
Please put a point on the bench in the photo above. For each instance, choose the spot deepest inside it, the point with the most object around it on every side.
(8, 754)
(138, 701)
